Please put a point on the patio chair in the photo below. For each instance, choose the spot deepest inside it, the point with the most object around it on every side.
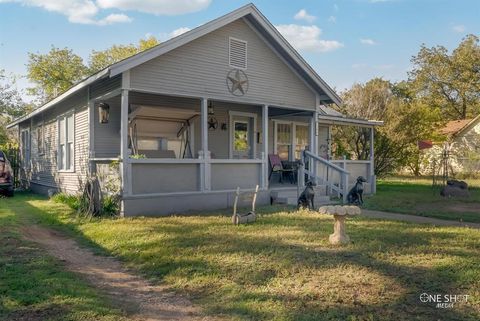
(276, 166)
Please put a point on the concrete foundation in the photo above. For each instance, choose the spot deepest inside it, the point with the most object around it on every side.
(41, 189)
(188, 203)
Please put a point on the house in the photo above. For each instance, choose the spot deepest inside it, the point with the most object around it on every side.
(192, 119)
(462, 144)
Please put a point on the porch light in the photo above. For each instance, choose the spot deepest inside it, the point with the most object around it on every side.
(210, 108)
(103, 113)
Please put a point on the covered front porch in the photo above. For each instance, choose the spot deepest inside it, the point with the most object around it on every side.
(176, 149)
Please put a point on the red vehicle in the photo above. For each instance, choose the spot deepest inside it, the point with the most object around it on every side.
(6, 175)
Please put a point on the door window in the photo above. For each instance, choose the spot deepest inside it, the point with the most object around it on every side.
(241, 134)
(242, 145)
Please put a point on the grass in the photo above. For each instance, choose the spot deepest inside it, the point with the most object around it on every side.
(282, 267)
(417, 197)
(35, 286)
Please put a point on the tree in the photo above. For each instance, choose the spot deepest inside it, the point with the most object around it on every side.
(405, 122)
(102, 59)
(11, 105)
(450, 82)
(59, 69)
(54, 72)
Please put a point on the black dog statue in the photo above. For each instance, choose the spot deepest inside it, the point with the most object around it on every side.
(305, 200)
(355, 196)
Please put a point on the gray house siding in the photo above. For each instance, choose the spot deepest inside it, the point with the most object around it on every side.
(200, 68)
(43, 173)
(106, 136)
(104, 86)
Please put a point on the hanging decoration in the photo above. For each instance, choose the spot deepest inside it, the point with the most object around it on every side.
(237, 82)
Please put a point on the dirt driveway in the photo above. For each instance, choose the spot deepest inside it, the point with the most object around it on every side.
(133, 294)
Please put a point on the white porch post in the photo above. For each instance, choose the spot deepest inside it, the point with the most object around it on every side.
(314, 142)
(265, 146)
(124, 154)
(373, 178)
(205, 174)
(91, 132)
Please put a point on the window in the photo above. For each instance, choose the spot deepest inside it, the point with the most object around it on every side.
(25, 141)
(40, 140)
(284, 140)
(301, 139)
(291, 139)
(241, 137)
(66, 152)
(237, 52)
(242, 134)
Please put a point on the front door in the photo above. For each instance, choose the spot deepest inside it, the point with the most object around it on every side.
(242, 137)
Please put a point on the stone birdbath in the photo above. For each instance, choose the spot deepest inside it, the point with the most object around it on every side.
(340, 213)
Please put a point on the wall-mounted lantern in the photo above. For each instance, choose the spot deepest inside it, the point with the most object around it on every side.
(103, 113)
(210, 108)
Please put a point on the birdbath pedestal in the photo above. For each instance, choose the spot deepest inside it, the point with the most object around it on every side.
(340, 213)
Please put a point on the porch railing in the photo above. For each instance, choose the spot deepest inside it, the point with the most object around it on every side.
(158, 176)
(337, 181)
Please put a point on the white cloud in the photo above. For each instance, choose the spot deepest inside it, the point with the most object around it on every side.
(88, 11)
(159, 7)
(174, 33)
(114, 18)
(307, 38)
(332, 19)
(367, 41)
(179, 31)
(303, 15)
(459, 28)
(77, 11)
(336, 8)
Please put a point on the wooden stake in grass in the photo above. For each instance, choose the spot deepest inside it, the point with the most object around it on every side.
(244, 218)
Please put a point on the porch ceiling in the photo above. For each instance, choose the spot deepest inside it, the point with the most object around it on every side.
(144, 111)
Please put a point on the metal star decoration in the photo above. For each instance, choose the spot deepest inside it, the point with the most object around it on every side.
(237, 82)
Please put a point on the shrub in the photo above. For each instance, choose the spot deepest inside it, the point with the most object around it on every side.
(73, 201)
(109, 207)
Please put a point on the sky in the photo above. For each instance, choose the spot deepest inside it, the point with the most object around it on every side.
(345, 41)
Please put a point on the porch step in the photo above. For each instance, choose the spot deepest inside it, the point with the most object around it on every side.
(290, 197)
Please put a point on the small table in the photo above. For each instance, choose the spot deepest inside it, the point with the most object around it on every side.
(291, 168)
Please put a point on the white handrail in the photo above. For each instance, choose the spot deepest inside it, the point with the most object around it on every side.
(341, 190)
(326, 162)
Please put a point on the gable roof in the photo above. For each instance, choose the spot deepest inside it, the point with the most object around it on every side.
(252, 16)
(456, 127)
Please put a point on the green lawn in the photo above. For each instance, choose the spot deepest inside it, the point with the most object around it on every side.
(416, 196)
(282, 267)
(34, 286)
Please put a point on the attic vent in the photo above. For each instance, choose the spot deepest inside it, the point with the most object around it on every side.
(237, 53)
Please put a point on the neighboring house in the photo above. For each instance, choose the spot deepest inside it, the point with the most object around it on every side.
(462, 141)
(192, 119)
